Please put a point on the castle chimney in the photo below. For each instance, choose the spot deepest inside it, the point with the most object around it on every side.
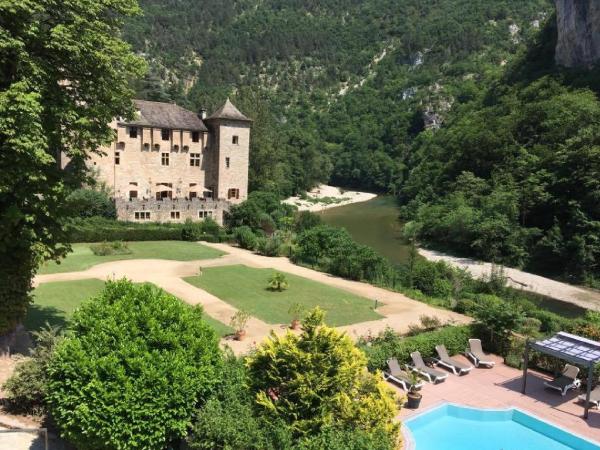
(202, 113)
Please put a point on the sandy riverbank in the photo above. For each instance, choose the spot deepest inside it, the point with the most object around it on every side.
(324, 197)
(584, 298)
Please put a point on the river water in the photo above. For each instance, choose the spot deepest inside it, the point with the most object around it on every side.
(374, 223)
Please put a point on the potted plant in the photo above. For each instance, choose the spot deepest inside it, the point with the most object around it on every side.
(238, 323)
(413, 397)
(296, 310)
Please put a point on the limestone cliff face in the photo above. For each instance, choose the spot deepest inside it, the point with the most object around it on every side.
(578, 32)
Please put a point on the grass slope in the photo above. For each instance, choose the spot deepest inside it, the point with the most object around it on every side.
(246, 288)
(82, 257)
(55, 302)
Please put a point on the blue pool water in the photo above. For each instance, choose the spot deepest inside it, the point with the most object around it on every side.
(452, 427)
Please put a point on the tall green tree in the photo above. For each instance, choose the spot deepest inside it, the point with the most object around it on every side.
(64, 73)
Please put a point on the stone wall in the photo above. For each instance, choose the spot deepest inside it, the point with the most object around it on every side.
(578, 23)
(176, 210)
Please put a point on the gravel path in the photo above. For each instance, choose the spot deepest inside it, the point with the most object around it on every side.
(584, 298)
(398, 310)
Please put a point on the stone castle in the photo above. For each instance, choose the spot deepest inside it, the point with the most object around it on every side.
(170, 164)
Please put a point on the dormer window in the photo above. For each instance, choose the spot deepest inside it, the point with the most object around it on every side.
(146, 146)
(165, 134)
(195, 136)
(133, 132)
(156, 147)
(176, 148)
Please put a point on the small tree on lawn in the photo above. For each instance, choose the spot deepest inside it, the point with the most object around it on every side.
(278, 282)
(131, 370)
(318, 380)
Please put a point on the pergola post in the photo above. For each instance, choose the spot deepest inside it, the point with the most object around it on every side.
(525, 364)
(589, 390)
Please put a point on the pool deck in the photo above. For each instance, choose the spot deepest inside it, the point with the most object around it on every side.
(500, 388)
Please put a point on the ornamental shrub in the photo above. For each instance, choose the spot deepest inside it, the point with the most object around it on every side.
(245, 238)
(317, 380)
(90, 203)
(390, 344)
(135, 363)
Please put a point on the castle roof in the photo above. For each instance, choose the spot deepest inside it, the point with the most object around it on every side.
(230, 112)
(166, 115)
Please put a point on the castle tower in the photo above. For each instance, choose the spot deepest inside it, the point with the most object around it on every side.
(230, 153)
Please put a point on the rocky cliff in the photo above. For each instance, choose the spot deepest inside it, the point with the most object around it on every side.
(578, 32)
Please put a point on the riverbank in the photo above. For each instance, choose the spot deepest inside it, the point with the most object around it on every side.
(325, 197)
(584, 298)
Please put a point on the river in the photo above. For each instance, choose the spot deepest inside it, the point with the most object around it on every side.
(374, 223)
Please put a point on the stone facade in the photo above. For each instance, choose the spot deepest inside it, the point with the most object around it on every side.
(171, 160)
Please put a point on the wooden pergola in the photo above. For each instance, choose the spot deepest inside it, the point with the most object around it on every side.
(571, 348)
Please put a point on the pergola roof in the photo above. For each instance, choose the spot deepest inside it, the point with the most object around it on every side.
(570, 347)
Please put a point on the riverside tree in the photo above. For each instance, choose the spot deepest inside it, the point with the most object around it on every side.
(64, 74)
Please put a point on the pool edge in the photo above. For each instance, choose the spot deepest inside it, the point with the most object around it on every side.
(409, 442)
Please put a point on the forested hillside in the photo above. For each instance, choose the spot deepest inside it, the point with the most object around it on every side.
(514, 176)
(338, 88)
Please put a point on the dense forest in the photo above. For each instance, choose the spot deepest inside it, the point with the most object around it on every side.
(338, 88)
(455, 106)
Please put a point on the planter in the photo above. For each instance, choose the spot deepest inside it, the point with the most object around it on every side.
(240, 335)
(413, 400)
(295, 324)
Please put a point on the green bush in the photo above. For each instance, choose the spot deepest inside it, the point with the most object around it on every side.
(245, 238)
(390, 344)
(269, 246)
(305, 220)
(133, 367)
(26, 388)
(347, 439)
(110, 248)
(91, 203)
(97, 229)
(207, 230)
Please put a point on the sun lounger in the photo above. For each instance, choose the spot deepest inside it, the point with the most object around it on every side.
(594, 397)
(565, 381)
(457, 367)
(432, 375)
(475, 353)
(399, 376)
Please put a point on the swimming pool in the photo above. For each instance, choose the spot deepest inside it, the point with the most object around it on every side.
(453, 427)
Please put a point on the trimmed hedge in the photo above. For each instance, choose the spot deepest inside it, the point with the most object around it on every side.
(391, 345)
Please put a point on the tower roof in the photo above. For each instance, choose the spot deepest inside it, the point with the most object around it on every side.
(229, 111)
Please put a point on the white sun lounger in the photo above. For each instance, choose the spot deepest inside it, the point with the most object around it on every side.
(399, 376)
(457, 367)
(566, 381)
(476, 354)
(431, 375)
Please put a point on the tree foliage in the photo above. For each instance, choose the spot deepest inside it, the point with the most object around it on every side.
(318, 380)
(64, 76)
(133, 367)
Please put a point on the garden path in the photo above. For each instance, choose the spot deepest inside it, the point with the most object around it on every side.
(398, 310)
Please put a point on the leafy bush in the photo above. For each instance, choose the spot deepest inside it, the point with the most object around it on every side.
(97, 229)
(318, 379)
(110, 248)
(133, 367)
(245, 238)
(278, 282)
(347, 439)
(90, 203)
(26, 388)
(270, 246)
(305, 220)
(390, 344)
(206, 230)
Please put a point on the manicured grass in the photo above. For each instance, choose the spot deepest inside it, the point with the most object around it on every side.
(55, 302)
(82, 257)
(246, 288)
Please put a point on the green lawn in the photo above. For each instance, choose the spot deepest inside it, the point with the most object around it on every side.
(55, 302)
(82, 257)
(246, 288)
